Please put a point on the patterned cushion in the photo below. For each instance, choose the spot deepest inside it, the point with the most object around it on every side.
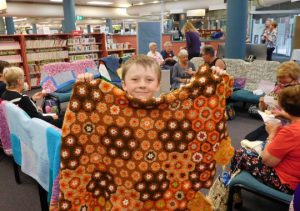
(121, 153)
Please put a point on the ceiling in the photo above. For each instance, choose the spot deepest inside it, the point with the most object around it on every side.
(114, 3)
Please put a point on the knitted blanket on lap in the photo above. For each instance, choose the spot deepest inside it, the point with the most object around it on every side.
(121, 153)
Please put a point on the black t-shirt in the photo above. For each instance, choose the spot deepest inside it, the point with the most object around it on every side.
(213, 63)
(25, 103)
(2, 88)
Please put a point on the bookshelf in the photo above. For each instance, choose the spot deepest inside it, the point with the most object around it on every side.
(12, 51)
(43, 49)
(90, 46)
(120, 45)
(31, 52)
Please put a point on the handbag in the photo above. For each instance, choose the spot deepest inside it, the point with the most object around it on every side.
(218, 195)
(219, 192)
(51, 104)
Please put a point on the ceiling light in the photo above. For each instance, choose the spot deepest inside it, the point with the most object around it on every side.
(154, 2)
(141, 3)
(100, 2)
(21, 19)
(56, 0)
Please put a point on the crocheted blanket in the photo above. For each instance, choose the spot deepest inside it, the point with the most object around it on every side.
(121, 153)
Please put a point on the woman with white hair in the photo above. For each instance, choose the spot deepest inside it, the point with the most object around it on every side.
(182, 71)
(14, 78)
(153, 53)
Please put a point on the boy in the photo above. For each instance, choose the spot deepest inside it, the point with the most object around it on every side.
(140, 77)
(3, 64)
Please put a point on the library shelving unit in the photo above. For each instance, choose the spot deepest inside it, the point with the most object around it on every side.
(12, 51)
(87, 46)
(120, 45)
(43, 49)
(31, 52)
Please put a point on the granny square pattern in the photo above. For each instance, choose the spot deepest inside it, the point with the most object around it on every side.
(122, 153)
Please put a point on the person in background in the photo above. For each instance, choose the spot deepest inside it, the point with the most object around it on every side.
(279, 163)
(3, 64)
(168, 54)
(192, 37)
(288, 74)
(208, 55)
(153, 53)
(271, 37)
(14, 78)
(182, 71)
(266, 30)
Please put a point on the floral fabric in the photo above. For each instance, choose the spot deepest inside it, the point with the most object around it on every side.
(121, 153)
(250, 162)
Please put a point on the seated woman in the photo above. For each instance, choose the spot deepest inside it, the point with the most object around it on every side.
(279, 164)
(182, 71)
(14, 78)
(153, 53)
(168, 54)
(288, 74)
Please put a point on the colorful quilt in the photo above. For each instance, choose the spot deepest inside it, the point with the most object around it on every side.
(61, 74)
(121, 153)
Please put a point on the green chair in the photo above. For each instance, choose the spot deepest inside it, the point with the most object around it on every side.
(246, 181)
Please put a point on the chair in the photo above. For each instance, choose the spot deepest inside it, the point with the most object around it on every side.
(221, 51)
(259, 51)
(247, 182)
(36, 148)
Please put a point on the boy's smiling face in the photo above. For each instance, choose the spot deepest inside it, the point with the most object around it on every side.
(141, 82)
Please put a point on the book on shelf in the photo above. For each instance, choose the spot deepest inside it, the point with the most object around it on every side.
(12, 58)
(81, 41)
(83, 56)
(9, 45)
(82, 48)
(50, 43)
(47, 55)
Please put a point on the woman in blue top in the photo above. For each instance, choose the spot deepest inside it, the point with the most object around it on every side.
(192, 37)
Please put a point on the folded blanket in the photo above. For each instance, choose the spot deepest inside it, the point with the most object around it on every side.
(121, 153)
(4, 130)
(35, 145)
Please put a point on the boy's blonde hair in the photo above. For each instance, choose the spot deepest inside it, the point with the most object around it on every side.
(12, 75)
(141, 60)
(189, 27)
(290, 68)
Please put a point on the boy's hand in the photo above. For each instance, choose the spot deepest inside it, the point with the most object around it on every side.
(85, 77)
